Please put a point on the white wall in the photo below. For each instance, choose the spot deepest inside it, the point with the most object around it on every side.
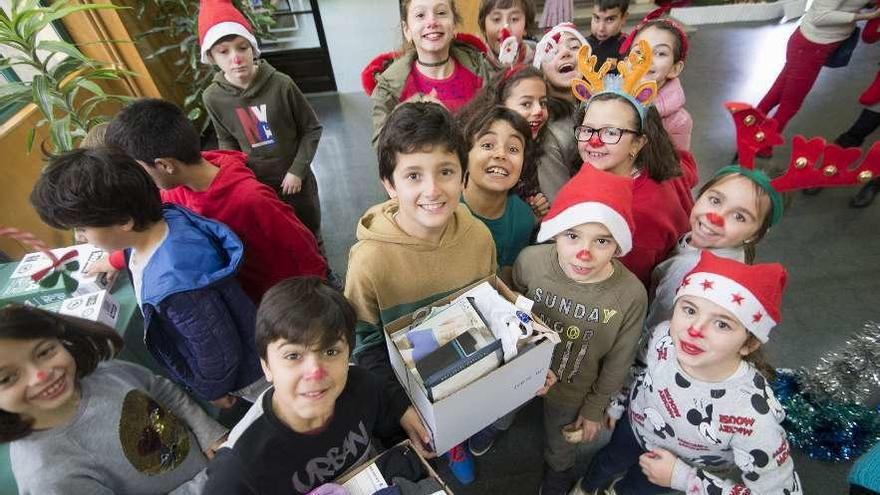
(357, 31)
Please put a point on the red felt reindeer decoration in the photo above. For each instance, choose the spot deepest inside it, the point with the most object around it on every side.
(813, 162)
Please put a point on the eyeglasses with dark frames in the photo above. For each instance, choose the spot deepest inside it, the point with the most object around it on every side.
(608, 135)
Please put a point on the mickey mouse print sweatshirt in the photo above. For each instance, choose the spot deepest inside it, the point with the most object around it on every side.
(711, 427)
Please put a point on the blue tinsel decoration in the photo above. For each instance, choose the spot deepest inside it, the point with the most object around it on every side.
(825, 430)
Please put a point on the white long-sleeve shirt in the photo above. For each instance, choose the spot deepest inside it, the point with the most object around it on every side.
(830, 21)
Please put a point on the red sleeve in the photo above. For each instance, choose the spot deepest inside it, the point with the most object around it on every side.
(117, 259)
(689, 170)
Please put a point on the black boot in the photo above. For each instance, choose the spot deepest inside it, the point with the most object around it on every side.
(867, 122)
(866, 194)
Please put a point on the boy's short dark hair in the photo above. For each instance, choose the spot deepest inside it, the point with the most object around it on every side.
(304, 311)
(149, 128)
(96, 187)
(623, 5)
(417, 126)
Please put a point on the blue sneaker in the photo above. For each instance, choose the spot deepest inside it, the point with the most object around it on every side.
(483, 440)
(461, 464)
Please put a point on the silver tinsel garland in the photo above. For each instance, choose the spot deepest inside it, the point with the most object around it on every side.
(849, 375)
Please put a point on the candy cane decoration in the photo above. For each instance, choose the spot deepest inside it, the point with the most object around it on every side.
(34, 242)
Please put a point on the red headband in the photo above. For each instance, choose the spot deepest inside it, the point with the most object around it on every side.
(657, 15)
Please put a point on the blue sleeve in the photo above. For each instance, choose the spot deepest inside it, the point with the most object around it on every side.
(202, 334)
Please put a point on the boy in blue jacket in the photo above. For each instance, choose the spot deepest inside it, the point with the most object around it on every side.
(198, 322)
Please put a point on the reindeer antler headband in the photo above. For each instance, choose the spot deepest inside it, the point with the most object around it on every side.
(754, 130)
(628, 83)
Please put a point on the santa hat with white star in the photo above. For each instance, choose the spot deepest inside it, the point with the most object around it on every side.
(219, 18)
(590, 196)
(753, 293)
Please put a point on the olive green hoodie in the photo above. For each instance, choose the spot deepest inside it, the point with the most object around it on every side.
(391, 273)
(270, 120)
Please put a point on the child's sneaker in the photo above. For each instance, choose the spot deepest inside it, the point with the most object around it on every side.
(461, 464)
(482, 441)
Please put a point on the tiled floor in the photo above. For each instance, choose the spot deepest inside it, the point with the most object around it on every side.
(831, 251)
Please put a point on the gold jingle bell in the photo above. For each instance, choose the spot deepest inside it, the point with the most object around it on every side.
(829, 170)
(749, 120)
(801, 162)
(865, 176)
(759, 136)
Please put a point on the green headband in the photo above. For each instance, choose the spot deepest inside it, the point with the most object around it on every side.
(761, 179)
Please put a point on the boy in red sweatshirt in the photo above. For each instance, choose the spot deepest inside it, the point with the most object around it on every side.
(220, 186)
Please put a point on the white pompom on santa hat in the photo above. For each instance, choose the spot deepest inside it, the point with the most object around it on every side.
(593, 196)
(219, 18)
(752, 293)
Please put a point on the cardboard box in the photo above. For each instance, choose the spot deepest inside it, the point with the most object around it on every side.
(21, 288)
(98, 306)
(366, 478)
(462, 414)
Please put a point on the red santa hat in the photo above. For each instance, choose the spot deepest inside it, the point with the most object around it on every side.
(219, 18)
(593, 195)
(752, 293)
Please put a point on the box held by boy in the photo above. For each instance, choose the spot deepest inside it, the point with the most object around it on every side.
(366, 479)
(455, 418)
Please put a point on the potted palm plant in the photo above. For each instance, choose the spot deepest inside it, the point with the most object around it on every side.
(65, 84)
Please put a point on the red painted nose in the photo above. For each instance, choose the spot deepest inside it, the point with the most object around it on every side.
(595, 141)
(41, 375)
(717, 220)
(695, 332)
(316, 374)
(584, 255)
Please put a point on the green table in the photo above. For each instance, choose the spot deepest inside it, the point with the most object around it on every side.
(130, 326)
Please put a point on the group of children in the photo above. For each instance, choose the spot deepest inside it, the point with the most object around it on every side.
(475, 155)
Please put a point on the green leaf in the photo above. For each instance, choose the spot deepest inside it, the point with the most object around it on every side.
(14, 90)
(42, 95)
(54, 14)
(91, 86)
(65, 48)
(32, 133)
(194, 114)
(64, 67)
(60, 133)
(155, 30)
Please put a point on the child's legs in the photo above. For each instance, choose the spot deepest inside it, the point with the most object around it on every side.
(804, 61)
(307, 205)
(771, 99)
(558, 453)
(621, 454)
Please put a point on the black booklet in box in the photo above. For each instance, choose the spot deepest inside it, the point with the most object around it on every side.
(472, 352)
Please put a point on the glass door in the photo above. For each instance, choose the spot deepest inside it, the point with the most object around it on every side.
(299, 48)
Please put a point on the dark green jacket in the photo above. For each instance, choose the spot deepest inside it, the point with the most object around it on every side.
(271, 121)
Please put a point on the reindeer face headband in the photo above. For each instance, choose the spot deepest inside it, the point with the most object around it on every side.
(628, 83)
